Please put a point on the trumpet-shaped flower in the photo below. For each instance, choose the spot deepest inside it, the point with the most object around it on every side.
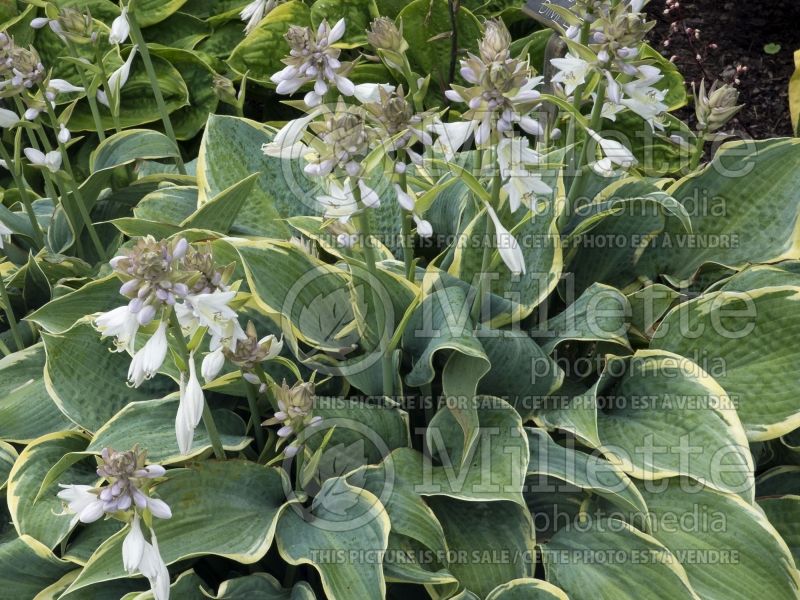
(190, 409)
(615, 155)
(507, 245)
(255, 11)
(572, 72)
(121, 324)
(155, 569)
(133, 546)
(50, 161)
(148, 360)
(120, 28)
(117, 79)
(82, 501)
(8, 118)
(520, 183)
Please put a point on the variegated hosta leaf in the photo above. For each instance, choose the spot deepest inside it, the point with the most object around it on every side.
(8, 456)
(46, 519)
(89, 383)
(58, 315)
(784, 515)
(27, 567)
(527, 589)
(607, 559)
(186, 585)
(26, 410)
(342, 535)
(204, 520)
(586, 471)
(261, 586)
(727, 546)
(491, 542)
(658, 414)
(747, 339)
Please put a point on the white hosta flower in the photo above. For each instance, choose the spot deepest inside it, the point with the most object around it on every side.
(212, 364)
(424, 228)
(117, 79)
(339, 202)
(371, 92)
(8, 118)
(120, 28)
(210, 310)
(148, 360)
(405, 201)
(133, 546)
(572, 72)
(288, 142)
(507, 245)
(39, 22)
(452, 136)
(50, 161)
(615, 155)
(62, 86)
(190, 409)
(155, 569)
(515, 158)
(32, 113)
(645, 100)
(121, 324)
(87, 506)
(4, 232)
(64, 134)
(255, 11)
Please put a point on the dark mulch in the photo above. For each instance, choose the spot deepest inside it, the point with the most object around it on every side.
(733, 34)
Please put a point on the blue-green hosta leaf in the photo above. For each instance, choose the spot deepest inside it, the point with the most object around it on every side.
(759, 276)
(753, 185)
(527, 589)
(26, 410)
(188, 120)
(58, 315)
(220, 212)
(45, 520)
(131, 145)
(731, 552)
(599, 314)
(150, 12)
(583, 470)
(749, 338)
(607, 559)
(27, 567)
(85, 539)
(151, 424)
(187, 586)
(648, 305)
(494, 469)
(341, 519)
(261, 52)
(179, 30)
(8, 456)
(204, 520)
(495, 541)
(89, 383)
(784, 515)
(262, 586)
(171, 205)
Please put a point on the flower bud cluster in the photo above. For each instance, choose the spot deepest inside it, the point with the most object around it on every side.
(296, 405)
(715, 107)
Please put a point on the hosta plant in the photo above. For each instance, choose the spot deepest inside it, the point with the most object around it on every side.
(466, 318)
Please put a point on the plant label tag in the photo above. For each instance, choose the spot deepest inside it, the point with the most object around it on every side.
(541, 11)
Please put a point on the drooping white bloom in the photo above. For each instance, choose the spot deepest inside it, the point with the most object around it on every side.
(211, 310)
(190, 409)
(572, 72)
(521, 183)
(339, 201)
(120, 28)
(288, 142)
(121, 324)
(452, 136)
(255, 11)
(424, 228)
(644, 99)
(8, 118)
(50, 161)
(80, 500)
(212, 364)
(371, 92)
(507, 245)
(405, 201)
(62, 86)
(155, 569)
(117, 79)
(4, 231)
(147, 361)
(133, 546)
(615, 155)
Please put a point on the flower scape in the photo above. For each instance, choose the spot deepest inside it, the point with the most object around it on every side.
(375, 299)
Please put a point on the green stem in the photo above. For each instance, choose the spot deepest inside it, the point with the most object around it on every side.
(483, 277)
(383, 335)
(208, 418)
(408, 241)
(13, 166)
(106, 86)
(98, 121)
(12, 321)
(596, 118)
(699, 146)
(577, 100)
(76, 192)
(252, 401)
(138, 39)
